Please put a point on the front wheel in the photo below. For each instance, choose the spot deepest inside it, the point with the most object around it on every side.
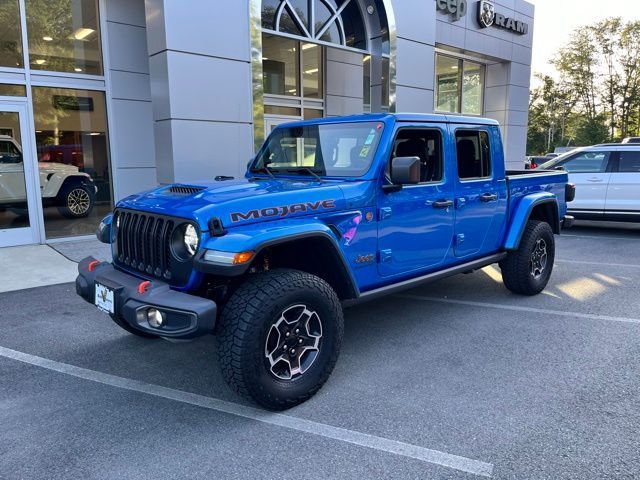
(77, 201)
(279, 337)
(527, 270)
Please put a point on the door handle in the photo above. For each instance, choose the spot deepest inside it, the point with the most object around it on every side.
(489, 197)
(595, 179)
(443, 204)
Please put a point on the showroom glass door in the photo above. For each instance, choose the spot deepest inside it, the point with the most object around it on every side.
(19, 208)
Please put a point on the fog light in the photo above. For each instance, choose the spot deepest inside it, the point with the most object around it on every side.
(155, 318)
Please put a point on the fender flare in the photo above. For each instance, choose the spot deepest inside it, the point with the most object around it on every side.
(522, 213)
(323, 232)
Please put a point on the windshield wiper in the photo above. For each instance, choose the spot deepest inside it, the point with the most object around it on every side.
(264, 169)
(308, 170)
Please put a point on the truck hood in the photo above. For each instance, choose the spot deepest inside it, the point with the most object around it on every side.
(241, 202)
(49, 167)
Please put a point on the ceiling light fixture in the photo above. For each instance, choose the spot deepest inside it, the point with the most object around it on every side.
(40, 61)
(313, 70)
(307, 46)
(48, 39)
(83, 33)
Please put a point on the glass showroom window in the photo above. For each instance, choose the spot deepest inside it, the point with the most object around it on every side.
(71, 139)
(64, 36)
(10, 36)
(459, 86)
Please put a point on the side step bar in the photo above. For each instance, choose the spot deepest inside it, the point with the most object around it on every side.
(430, 277)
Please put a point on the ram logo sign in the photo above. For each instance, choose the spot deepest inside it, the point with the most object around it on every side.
(489, 17)
(283, 211)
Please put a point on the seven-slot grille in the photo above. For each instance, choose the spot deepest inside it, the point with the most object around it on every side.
(143, 243)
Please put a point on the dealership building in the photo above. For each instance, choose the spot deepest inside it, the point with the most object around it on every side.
(125, 94)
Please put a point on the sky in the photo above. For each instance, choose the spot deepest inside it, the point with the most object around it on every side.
(555, 19)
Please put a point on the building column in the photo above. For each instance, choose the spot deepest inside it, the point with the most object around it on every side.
(199, 61)
(415, 55)
(507, 101)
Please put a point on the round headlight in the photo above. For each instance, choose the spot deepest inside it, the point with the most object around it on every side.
(191, 239)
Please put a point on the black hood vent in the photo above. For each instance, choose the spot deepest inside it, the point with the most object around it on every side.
(184, 190)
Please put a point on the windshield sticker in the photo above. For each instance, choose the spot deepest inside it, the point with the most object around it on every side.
(370, 138)
(284, 210)
(365, 151)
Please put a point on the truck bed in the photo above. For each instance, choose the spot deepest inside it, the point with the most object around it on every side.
(524, 182)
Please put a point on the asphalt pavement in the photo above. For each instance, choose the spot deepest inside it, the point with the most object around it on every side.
(457, 379)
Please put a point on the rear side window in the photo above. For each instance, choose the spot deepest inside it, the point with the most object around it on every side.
(586, 162)
(474, 154)
(629, 162)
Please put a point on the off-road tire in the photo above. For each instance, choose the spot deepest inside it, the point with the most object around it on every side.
(246, 323)
(516, 268)
(125, 326)
(72, 198)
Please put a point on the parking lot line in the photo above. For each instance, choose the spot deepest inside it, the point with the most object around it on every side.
(580, 262)
(517, 308)
(426, 455)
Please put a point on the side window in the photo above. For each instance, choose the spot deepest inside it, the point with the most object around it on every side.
(586, 162)
(474, 154)
(629, 162)
(425, 144)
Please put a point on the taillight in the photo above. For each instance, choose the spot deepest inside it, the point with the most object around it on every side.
(570, 192)
(534, 165)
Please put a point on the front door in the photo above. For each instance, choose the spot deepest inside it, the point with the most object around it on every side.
(415, 224)
(19, 199)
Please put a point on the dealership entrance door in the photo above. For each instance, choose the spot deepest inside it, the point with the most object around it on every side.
(19, 197)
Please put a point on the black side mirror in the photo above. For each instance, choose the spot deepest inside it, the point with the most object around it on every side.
(405, 170)
(560, 167)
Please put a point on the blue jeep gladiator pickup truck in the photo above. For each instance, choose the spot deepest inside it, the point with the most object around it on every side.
(331, 212)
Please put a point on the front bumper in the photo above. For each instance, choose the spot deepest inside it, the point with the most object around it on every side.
(186, 316)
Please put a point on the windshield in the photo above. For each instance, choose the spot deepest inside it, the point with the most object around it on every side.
(550, 164)
(333, 150)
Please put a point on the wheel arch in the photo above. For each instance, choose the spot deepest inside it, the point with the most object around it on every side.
(315, 252)
(541, 206)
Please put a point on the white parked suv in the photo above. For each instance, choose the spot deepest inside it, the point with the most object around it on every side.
(607, 179)
(62, 186)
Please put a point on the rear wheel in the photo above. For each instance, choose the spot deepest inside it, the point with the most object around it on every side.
(527, 270)
(279, 337)
(76, 200)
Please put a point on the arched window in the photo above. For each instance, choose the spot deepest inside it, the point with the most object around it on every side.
(338, 22)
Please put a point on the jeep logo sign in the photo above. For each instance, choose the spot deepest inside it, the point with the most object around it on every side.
(487, 17)
(456, 8)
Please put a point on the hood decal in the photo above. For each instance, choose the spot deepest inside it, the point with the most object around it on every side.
(284, 211)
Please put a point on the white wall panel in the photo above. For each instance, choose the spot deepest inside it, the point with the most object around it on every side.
(130, 12)
(135, 180)
(134, 133)
(208, 88)
(203, 150)
(128, 48)
(130, 86)
(415, 100)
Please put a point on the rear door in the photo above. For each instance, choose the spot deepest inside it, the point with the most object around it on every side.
(415, 228)
(623, 192)
(480, 191)
(590, 171)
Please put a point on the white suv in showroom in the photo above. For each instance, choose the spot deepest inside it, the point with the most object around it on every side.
(607, 179)
(62, 186)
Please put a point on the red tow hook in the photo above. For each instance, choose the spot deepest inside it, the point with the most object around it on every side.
(142, 288)
(93, 265)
